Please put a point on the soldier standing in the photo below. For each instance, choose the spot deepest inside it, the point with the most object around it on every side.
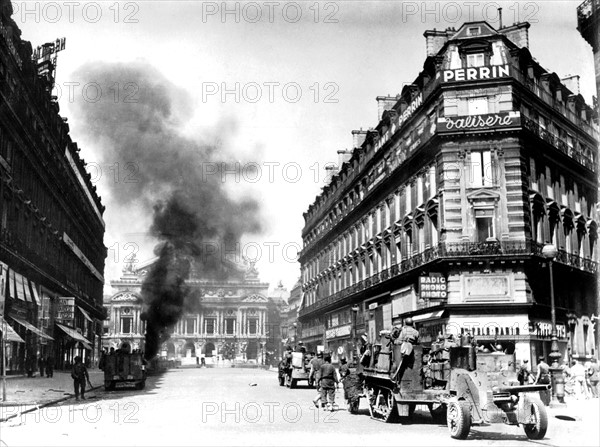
(407, 338)
(79, 375)
(328, 381)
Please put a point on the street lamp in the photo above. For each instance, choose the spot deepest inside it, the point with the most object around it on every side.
(355, 310)
(549, 252)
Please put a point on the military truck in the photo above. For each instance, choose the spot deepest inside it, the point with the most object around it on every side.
(457, 387)
(297, 370)
(124, 368)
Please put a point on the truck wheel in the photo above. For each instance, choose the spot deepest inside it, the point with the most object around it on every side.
(459, 419)
(140, 385)
(109, 385)
(538, 421)
(293, 383)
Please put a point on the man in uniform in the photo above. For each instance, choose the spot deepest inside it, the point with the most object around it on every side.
(313, 376)
(79, 375)
(407, 338)
(328, 380)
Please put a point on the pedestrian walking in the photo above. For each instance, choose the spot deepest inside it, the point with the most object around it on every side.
(41, 365)
(79, 375)
(328, 380)
(594, 377)
(49, 366)
(578, 372)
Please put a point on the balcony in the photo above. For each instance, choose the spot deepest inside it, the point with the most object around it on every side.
(452, 250)
(575, 153)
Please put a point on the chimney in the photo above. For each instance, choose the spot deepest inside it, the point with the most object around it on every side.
(384, 103)
(518, 34)
(500, 18)
(343, 156)
(572, 83)
(358, 137)
(435, 40)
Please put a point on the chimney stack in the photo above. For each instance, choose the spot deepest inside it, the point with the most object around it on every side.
(435, 40)
(343, 156)
(518, 33)
(572, 83)
(358, 137)
(384, 103)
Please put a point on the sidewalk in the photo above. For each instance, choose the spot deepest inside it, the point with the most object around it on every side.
(29, 393)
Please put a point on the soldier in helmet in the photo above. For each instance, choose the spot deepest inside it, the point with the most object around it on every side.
(407, 338)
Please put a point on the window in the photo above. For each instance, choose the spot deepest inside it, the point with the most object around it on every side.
(475, 60)
(484, 228)
(481, 169)
(229, 326)
(209, 326)
(126, 324)
(252, 325)
(473, 31)
(477, 105)
(189, 326)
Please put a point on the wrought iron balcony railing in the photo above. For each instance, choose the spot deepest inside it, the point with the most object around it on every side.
(450, 250)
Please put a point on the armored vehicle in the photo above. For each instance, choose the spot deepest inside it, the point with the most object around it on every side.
(124, 368)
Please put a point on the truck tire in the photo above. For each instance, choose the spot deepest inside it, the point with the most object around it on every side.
(109, 385)
(140, 385)
(539, 420)
(459, 419)
(293, 383)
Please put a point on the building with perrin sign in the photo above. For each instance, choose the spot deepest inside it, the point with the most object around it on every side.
(441, 210)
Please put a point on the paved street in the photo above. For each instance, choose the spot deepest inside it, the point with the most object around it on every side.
(247, 407)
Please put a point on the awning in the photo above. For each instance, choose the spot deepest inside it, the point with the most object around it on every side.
(428, 316)
(10, 335)
(73, 334)
(86, 346)
(85, 314)
(31, 328)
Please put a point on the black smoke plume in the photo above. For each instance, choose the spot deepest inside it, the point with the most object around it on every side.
(136, 123)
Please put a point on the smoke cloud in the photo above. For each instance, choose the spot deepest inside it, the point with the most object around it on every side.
(136, 123)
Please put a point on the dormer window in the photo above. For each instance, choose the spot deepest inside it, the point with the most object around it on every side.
(475, 60)
(473, 31)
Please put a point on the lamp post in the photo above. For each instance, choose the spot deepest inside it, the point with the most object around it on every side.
(549, 252)
(355, 310)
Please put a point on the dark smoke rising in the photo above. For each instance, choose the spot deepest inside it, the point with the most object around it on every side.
(136, 120)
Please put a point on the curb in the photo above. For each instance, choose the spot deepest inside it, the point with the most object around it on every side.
(44, 405)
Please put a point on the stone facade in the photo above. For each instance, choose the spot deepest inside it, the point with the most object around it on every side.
(442, 211)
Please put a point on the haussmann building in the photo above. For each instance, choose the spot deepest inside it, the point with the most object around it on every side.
(441, 211)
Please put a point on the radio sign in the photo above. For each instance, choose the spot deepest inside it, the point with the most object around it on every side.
(65, 311)
(475, 73)
(433, 287)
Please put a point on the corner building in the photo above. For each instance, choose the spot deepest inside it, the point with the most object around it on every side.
(441, 211)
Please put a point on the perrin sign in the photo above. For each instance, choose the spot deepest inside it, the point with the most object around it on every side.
(433, 287)
(475, 73)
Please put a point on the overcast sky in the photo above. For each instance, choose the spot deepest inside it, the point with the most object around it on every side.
(308, 74)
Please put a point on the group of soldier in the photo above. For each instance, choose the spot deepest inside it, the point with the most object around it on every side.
(326, 377)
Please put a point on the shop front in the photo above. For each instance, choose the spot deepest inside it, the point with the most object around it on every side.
(339, 343)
